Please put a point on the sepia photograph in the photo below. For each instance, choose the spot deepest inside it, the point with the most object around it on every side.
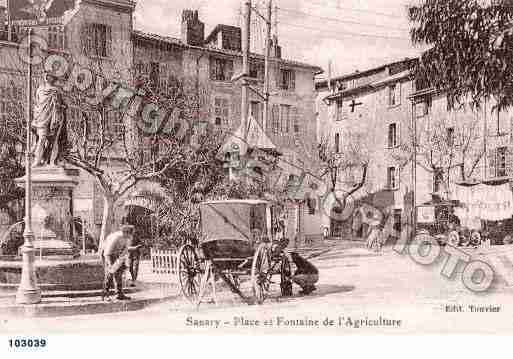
(255, 168)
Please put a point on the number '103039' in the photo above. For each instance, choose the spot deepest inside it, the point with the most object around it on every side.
(27, 343)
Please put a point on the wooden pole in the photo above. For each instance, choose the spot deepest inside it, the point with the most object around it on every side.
(267, 69)
(9, 22)
(245, 65)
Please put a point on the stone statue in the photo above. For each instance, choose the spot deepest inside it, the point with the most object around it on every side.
(49, 123)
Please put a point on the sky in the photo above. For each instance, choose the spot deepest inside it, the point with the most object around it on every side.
(352, 34)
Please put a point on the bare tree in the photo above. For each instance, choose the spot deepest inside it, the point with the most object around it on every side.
(341, 165)
(443, 147)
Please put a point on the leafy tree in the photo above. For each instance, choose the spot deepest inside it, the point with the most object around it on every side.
(12, 161)
(470, 49)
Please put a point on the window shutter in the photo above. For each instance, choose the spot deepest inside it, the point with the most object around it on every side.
(108, 35)
(491, 163)
(229, 70)
(292, 80)
(287, 119)
(295, 120)
(84, 39)
(213, 69)
(275, 118)
(511, 129)
(398, 134)
(509, 159)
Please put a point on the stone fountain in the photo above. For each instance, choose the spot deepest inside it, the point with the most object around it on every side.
(59, 265)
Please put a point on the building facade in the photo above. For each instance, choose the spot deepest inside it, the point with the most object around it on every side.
(406, 124)
(99, 35)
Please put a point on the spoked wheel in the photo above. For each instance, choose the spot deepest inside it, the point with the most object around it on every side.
(261, 273)
(286, 277)
(189, 273)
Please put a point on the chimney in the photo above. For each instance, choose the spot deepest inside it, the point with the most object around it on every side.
(275, 48)
(3, 15)
(3, 23)
(193, 30)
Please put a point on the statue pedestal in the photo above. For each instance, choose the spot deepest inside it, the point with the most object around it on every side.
(52, 221)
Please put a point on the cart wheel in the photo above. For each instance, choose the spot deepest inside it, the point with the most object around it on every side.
(261, 273)
(189, 273)
(286, 275)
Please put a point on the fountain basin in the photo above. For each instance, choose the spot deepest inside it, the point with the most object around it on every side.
(82, 273)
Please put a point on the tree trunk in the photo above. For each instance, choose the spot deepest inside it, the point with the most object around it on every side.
(107, 219)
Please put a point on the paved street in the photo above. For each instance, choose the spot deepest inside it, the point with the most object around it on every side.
(354, 285)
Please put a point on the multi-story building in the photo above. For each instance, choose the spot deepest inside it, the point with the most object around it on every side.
(388, 106)
(99, 35)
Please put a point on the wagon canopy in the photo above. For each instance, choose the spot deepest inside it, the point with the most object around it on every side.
(232, 220)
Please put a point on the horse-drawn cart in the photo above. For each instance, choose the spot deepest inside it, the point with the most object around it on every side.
(237, 239)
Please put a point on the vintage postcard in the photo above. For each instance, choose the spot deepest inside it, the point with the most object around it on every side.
(255, 167)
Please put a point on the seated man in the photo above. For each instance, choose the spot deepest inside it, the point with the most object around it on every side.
(306, 274)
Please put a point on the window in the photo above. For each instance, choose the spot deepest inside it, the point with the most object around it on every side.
(499, 125)
(341, 114)
(450, 136)
(116, 127)
(97, 40)
(221, 69)
(257, 71)
(295, 119)
(154, 75)
(438, 179)
(501, 161)
(256, 111)
(287, 79)
(394, 94)
(392, 180)
(56, 38)
(422, 108)
(337, 142)
(275, 119)
(222, 112)
(311, 204)
(285, 118)
(392, 135)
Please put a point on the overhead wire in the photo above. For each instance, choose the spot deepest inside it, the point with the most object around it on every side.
(343, 20)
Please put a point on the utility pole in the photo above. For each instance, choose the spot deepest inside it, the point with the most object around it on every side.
(268, 21)
(245, 63)
(9, 22)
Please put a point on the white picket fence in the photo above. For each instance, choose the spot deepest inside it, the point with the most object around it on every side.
(164, 262)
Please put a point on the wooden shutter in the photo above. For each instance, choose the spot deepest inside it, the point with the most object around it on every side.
(213, 71)
(491, 157)
(275, 118)
(85, 39)
(292, 79)
(229, 70)
(108, 35)
(511, 129)
(295, 120)
(509, 159)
